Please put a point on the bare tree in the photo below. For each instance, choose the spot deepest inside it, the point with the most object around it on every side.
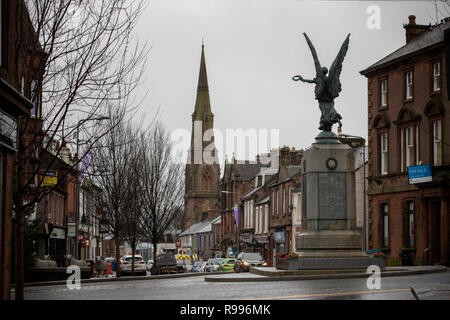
(84, 56)
(133, 231)
(442, 8)
(161, 187)
(112, 170)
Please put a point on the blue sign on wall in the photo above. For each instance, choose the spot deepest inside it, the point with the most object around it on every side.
(420, 174)
(278, 237)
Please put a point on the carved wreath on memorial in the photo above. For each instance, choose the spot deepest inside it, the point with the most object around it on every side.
(331, 164)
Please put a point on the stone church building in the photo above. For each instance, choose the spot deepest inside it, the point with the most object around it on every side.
(202, 175)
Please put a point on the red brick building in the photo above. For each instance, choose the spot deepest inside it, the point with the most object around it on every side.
(20, 77)
(255, 227)
(409, 125)
(281, 202)
(237, 180)
(57, 207)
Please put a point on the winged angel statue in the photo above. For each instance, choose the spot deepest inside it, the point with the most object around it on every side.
(327, 87)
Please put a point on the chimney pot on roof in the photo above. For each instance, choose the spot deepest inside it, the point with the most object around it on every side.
(285, 155)
(413, 30)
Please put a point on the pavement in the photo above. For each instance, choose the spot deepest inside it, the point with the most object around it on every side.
(259, 274)
(113, 278)
(425, 286)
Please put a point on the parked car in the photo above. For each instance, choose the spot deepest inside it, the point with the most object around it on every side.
(166, 263)
(209, 265)
(202, 268)
(150, 265)
(198, 266)
(227, 265)
(213, 264)
(216, 263)
(245, 260)
(139, 265)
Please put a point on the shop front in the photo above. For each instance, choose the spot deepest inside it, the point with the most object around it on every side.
(42, 248)
(8, 149)
(57, 245)
(247, 242)
(280, 241)
(83, 245)
(261, 245)
(71, 237)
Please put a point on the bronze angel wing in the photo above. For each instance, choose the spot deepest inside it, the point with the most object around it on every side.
(319, 74)
(334, 84)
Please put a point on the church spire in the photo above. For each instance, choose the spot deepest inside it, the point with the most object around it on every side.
(202, 176)
(202, 77)
(202, 103)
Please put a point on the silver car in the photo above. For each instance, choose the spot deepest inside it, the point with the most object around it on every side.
(209, 266)
(139, 265)
(214, 264)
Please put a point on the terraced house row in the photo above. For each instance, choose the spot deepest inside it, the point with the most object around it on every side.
(409, 122)
(26, 166)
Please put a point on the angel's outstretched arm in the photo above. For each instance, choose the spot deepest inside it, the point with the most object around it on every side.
(300, 78)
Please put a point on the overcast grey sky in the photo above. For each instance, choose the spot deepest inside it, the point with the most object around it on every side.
(254, 47)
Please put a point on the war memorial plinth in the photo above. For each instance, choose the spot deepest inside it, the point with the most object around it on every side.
(329, 239)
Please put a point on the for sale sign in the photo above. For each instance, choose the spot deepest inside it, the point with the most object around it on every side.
(420, 174)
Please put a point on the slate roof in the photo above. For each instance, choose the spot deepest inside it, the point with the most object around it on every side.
(250, 193)
(247, 171)
(425, 40)
(293, 170)
(266, 199)
(188, 230)
(207, 227)
(201, 227)
(268, 171)
(194, 228)
(218, 220)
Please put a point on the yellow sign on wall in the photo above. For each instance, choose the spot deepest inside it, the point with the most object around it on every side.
(50, 178)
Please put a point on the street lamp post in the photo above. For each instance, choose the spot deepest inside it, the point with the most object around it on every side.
(77, 206)
(364, 187)
(236, 215)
